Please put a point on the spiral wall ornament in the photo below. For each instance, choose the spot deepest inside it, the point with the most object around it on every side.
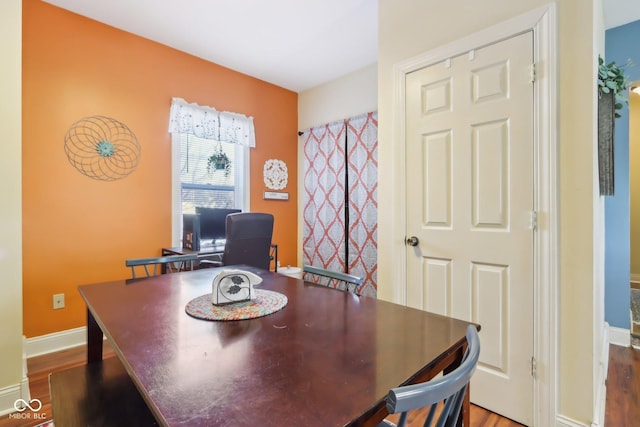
(102, 148)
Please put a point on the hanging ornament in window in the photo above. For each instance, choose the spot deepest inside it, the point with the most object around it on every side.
(219, 161)
(275, 174)
(102, 148)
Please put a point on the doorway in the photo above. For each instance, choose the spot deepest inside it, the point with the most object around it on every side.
(545, 286)
(634, 206)
(470, 134)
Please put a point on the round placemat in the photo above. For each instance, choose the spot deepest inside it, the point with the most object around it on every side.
(264, 303)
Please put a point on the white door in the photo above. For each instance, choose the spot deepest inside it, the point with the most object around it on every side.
(470, 163)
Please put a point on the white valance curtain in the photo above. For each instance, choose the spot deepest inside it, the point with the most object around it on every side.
(209, 123)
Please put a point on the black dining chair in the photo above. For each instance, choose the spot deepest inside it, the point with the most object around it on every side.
(248, 240)
(332, 279)
(443, 396)
(167, 264)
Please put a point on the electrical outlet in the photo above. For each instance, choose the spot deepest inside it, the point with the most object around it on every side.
(58, 301)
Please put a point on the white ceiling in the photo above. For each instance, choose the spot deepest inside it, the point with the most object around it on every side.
(295, 44)
(620, 12)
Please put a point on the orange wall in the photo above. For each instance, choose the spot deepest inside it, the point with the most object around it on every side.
(78, 230)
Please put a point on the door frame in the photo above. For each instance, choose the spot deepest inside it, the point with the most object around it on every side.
(542, 23)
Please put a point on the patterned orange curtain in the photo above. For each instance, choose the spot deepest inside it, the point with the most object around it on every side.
(324, 195)
(362, 171)
(341, 169)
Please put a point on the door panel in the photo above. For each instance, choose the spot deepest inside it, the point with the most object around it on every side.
(469, 130)
(437, 158)
(437, 296)
(490, 180)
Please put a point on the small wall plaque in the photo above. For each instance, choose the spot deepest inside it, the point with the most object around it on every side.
(274, 195)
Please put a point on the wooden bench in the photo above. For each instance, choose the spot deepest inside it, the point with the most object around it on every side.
(97, 394)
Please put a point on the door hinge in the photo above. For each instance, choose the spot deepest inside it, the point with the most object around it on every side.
(533, 220)
(532, 73)
(534, 367)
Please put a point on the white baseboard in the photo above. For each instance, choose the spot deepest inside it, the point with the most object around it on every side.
(562, 421)
(635, 278)
(619, 336)
(10, 395)
(38, 346)
(601, 379)
(57, 341)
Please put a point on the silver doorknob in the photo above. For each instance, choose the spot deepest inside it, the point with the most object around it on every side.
(412, 241)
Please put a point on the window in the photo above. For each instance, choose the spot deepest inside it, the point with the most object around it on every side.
(199, 184)
(202, 184)
(197, 133)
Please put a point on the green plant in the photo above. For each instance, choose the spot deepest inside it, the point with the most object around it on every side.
(612, 79)
(219, 161)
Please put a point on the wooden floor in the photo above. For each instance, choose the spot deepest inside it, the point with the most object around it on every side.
(622, 410)
(623, 387)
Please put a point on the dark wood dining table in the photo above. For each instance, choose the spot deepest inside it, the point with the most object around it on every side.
(328, 358)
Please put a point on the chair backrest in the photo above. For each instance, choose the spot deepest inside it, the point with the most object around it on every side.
(332, 279)
(168, 264)
(448, 389)
(248, 239)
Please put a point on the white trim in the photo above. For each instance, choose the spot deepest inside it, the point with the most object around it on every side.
(542, 21)
(57, 341)
(244, 180)
(562, 421)
(24, 356)
(546, 271)
(635, 278)
(8, 396)
(38, 346)
(601, 379)
(176, 208)
(24, 385)
(399, 220)
(619, 336)
(25, 391)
